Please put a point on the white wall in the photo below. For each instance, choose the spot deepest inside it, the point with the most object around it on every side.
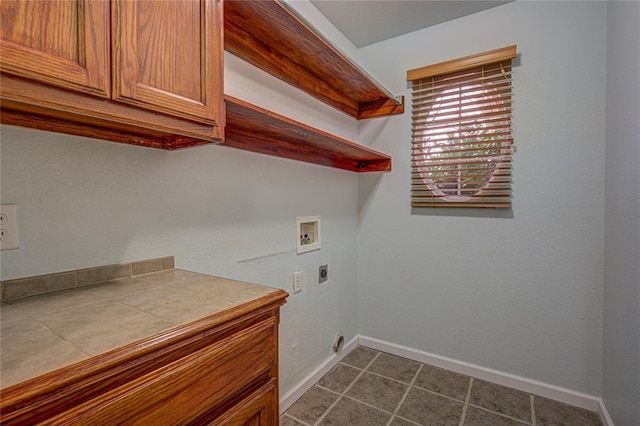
(621, 383)
(519, 291)
(222, 211)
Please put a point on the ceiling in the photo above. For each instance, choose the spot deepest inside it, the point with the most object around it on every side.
(366, 22)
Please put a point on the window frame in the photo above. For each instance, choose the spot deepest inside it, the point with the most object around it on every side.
(484, 82)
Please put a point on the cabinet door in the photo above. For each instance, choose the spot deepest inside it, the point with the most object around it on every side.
(258, 409)
(59, 42)
(168, 57)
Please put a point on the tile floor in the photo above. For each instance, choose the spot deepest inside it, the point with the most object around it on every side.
(375, 388)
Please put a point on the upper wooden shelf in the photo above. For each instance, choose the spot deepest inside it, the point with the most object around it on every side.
(267, 34)
(256, 129)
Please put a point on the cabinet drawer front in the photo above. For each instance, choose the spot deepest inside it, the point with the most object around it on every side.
(188, 388)
(257, 409)
(58, 42)
(168, 56)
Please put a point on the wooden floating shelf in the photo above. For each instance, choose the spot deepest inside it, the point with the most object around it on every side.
(252, 128)
(267, 34)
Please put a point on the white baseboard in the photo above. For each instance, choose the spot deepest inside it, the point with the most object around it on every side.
(604, 414)
(297, 391)
(524, 384)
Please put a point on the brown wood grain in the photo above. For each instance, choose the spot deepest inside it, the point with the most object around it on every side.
(56, 62)
(266, 34)
(201, 367)
(256, 409)
(51, 124)
(380, 108)
(80, 111)
(168, 57)
(181, 391)
(63, 43)
(255, 129)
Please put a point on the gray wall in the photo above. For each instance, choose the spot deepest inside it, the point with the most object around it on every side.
(519, 291)
(621, 383)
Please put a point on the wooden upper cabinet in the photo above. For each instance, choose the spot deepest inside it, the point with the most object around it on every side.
(59, 42)
(167, 56)
(141, 72)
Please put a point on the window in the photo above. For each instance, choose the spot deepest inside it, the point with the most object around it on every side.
(461, 132)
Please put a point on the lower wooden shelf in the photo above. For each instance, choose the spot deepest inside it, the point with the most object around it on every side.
(252, 128)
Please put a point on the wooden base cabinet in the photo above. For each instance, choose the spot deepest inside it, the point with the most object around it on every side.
(143, 72)
(255, 410)
(221, 370)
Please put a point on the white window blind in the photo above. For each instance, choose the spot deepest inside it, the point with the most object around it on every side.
(462, 132)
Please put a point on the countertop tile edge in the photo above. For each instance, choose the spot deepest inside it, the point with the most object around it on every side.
(48, 283)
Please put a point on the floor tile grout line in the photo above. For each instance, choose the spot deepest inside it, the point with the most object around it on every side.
(346, 390)
(349, 365)
(368, 404)
(466, 402)
(295, 419)
(390, 378)
(406, 392)
(324, 413)
(406, 420)
(499, 414)
(380, 409)
(414, 385)
(355, 399)
(321, 418)
(439, 394)
(409, 383)
(328, 390)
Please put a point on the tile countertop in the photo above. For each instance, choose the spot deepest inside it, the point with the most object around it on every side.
(43, 333)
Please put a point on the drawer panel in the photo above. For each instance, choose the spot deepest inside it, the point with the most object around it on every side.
(257, 409)
(189, 387)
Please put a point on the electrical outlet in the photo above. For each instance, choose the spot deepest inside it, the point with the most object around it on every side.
(323, 273)
(297, 281)
(8, 227)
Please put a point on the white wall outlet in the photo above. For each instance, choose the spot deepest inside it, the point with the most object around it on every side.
(297, 281)
(8, 227)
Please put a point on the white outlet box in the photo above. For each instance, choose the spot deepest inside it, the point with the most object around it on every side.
(8, 227)
(297, 281)
(308, 234)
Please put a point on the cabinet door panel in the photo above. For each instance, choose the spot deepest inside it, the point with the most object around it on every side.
(258, 409)
(168, 56)
(59, 42)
